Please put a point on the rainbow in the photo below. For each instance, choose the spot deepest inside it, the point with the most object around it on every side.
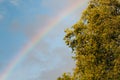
(29, 46)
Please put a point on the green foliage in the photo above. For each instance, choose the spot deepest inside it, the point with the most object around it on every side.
(66, 77)
(95, 41)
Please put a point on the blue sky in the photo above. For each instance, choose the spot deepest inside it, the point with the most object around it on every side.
(19, 22)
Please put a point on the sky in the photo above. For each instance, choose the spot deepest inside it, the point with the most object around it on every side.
(40, 23)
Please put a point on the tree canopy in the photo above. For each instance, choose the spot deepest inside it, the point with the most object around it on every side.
(95, 41)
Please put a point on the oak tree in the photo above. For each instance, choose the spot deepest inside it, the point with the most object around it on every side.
(95, 41)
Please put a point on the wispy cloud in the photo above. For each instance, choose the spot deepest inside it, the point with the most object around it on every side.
(1, 1)
(65, 64)
(36, 25)
(50, 57)
(15, 2)
(15, 26)
(45, 60)
(1, 17)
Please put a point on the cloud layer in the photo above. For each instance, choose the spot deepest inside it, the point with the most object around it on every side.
(50, 57)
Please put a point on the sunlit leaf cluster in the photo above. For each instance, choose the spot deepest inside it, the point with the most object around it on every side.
(95, 41)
